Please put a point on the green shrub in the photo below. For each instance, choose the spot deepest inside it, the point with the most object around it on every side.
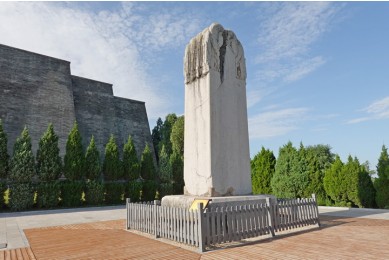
(48, 194)
(114, 192)
(71, 193)
(133, 190)
(21, 196)
(94, 193)
(149, 189)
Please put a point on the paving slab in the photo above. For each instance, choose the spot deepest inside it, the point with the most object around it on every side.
(12, 224)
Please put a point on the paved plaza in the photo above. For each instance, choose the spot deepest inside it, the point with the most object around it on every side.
(98, 233)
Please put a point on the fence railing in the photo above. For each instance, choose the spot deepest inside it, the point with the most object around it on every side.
(221, 223)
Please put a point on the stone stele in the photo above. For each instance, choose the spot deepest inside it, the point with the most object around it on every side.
(216, 155)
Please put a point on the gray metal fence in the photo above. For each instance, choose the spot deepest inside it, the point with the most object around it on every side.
(221, 223)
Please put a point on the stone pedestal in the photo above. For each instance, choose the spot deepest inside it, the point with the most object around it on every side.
(216, 156)
(185, 201)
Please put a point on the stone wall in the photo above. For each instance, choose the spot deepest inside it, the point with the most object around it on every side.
(36, 90)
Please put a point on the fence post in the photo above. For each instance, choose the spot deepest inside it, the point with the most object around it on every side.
(317, 209)
(156, 203)
(128, 200)
(270, 215)
(201, 231)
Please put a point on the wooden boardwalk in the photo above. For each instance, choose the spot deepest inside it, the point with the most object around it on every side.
(339, 238)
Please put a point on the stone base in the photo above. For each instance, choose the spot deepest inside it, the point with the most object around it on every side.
(185, 201)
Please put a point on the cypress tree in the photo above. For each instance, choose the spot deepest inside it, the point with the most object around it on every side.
(22, 164)
(165, 168)
(156, 136)
(333, 181)
(177, 136)
(262, 171)
(319, 158)
(4, 157)
(92, 161)
(49, 163)
(131, 167)
(74, 161)
(382, 182)
(290, 178)
(177, 164)
(111, 166)
(147, 170)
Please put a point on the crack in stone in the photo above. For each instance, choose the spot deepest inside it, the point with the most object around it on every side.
(222, 55)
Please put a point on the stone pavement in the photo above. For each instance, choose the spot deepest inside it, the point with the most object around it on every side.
(347, 227)
(13, 224)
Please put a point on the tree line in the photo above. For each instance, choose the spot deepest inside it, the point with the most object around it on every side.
(299, 172)
(82, 178)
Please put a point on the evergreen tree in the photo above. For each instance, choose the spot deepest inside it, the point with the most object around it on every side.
(92, 161)
(74, 160)
(177, 165)
(262, 171)
(147, 170)
(111, 167)
(4, 157)
(319, 158)
(22, 164)
(165, 168)
(382, 182)
(166, 130)
(334, 181)
(49, 164)
(131, 167)
(156, 136)
(290, 179)
(177, 136)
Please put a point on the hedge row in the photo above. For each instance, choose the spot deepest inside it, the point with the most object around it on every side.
(55, 194)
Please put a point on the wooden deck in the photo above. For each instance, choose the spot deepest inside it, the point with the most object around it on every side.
(339, 238)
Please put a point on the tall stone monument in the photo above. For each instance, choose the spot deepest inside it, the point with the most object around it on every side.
(216, 155)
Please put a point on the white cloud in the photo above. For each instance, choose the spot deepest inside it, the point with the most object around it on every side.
(287, 35)
(275, 123)
(375, 111)
(106, 46)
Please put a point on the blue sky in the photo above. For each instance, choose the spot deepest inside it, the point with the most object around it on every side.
(318, 72)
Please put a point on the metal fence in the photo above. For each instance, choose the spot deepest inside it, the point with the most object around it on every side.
(221, 223)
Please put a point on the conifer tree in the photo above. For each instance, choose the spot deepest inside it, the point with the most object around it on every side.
(262, 171)
(156, 136)
(177, 164)
(22, 164)
(131, 167)
(92, 161)
(177, 136)
(165, 168)
(49, 165)
(382, 182)
(147, 169)
(74, 160)
(319, 158)
(333, 181)
(290, 179)
(111, 166)
(4, 157)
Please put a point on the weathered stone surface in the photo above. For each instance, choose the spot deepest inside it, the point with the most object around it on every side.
(216, 157)
(36, 90)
